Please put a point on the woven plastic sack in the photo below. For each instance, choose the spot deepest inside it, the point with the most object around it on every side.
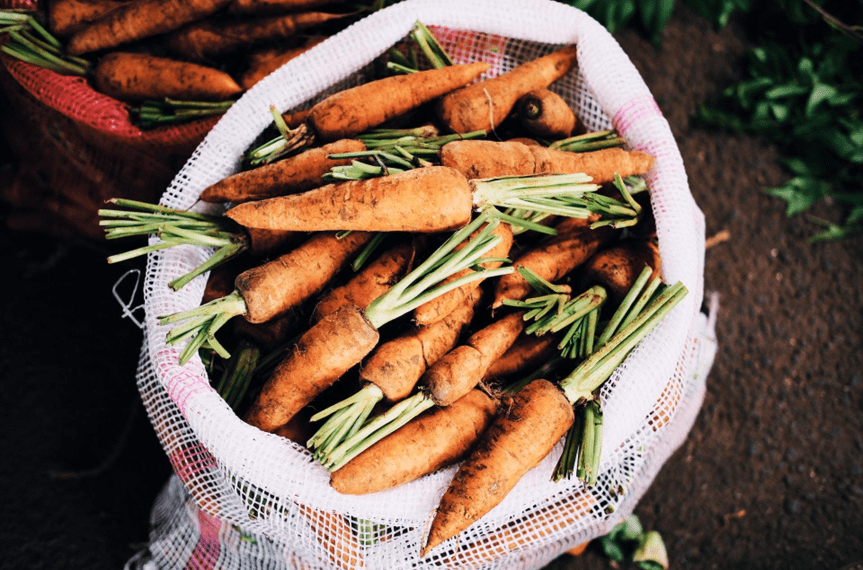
(255, 500)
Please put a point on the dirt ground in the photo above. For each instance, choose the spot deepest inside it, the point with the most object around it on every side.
(770, 477)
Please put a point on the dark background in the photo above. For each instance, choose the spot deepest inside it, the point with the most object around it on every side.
(771, 475)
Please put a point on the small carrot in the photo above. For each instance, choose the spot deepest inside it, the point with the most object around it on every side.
(65, 17)
(544, 113)
(516, 442)
(267, 291)
(138, 76)
(486, 104)
(203, 41)
(140, 19)
(298, 173)
(487, 159)
(554, 257)
(428, 443)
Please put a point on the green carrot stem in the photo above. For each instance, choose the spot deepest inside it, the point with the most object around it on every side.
(588, 437)
(624, 306)
(221, 255)
(430, 46)
(596, 455)
(232, 303)
(643, 299)
(368, 391)
(544, 371)
(368, 251)
(592, 372)
(398, 68)
(565, 466)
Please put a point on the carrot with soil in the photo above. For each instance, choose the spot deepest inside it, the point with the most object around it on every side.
(266, 291)
(348, 335)
(65, 17)
(544, 113)
(486, 104)
(140, 19)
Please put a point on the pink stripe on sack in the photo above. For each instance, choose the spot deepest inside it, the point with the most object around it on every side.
(206, 552)
(634, 110)
(190, 461)
(180, 383)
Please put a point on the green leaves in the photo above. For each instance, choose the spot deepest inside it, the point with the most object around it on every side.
(646, 549)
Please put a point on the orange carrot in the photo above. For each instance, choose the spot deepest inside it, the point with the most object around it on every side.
(313, 366)
(618, 266)
(424, 445)
(432, 199)
(553, 258)
(205, 40)
(372, 282)
(269, 242)
(276, 6)
(484, 105)
(527, 353)
(263, 62)
(516, 442)
(139, 76)
(437, 309)
(488, 159)
(294, 174)
(462, 368)
(140, 19)
(355, 110)
(544, 113)
(335, 537)
(65, 17)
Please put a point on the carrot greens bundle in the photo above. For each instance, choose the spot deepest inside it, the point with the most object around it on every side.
(29, 41)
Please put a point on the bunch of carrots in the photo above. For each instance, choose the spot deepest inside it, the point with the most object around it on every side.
(172, 61)
(445, 280)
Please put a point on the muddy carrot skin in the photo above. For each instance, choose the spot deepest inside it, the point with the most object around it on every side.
(544, 113)
(65, 17)
(527, 353)
(277, 6)
(516, 442)
(140, 19)
(321, 356)
(486, 104)
(294, 174)
(618, 266)
(424, 445)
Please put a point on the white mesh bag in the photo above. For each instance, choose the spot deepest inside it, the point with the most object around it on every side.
(245, 498)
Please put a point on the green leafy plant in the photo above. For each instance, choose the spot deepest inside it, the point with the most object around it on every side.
(629, 541)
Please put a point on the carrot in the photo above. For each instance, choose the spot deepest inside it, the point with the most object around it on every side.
(360, 108)
(488, 159)
(298, 173)
(439, 308)
(462, 368)
(263, 62)
(276, 6)
(270, 334)
(349, 334)
(370, 283)
(618, 266)
(294, 120)
(140, 19)
(515, 443)
(335, 537)
(544, 113)
(424, 200)
(391, 372)
(267, 242)
(267, 291)
(139, 76)
(205, 40)
(553, 258)
(486, 104)
(65, 17)
(428, 443)
(526, 353)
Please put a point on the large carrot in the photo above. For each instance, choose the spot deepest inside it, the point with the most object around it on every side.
(391, 373)
(516, 442)
(425, 200)
(205, 40)
(487, 159)
(267, 291)
(140, 19)
(428, 443)
(486, 104)
(276, 6)
(348, 335)
(553, 258)
(65, 17)
(439, 308)
(139, 76)
(264, 61)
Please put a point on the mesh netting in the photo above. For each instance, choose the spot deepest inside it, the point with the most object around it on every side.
(245, 498)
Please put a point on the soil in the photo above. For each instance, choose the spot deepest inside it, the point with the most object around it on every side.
(771, 475)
